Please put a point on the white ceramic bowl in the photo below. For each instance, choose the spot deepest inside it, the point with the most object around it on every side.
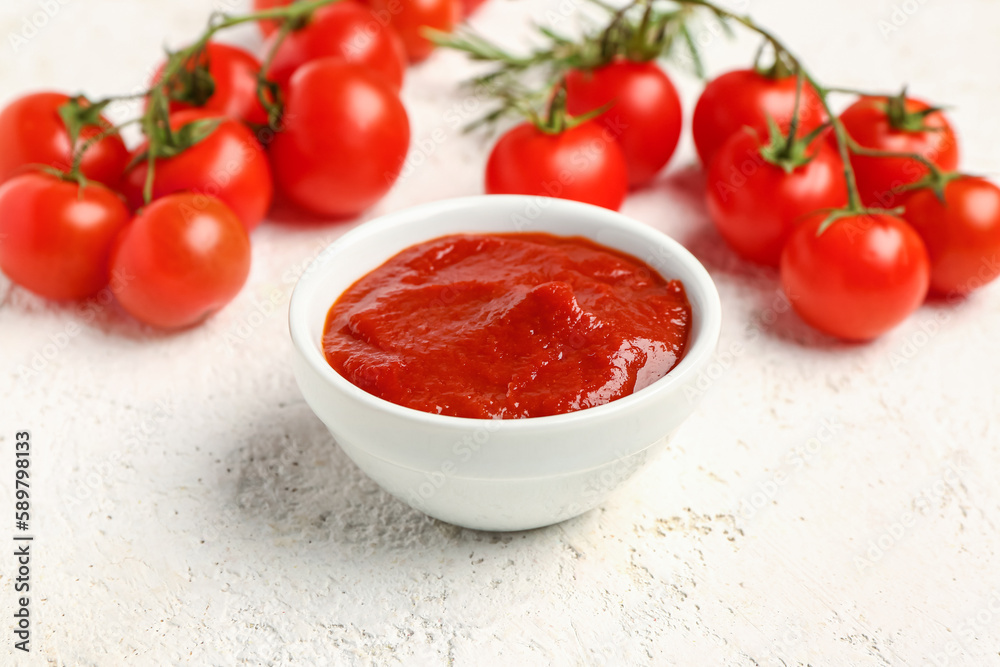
(497, 474)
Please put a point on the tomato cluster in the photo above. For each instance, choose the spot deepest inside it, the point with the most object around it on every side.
(862, 212)
(405, 18)
(320, 124)
(856, 269)
(598, 160)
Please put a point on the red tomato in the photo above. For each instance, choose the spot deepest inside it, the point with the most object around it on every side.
(409, 17)
(646, 115)
(584, 163)
(859, 278)
(234, 72)
(183, 258)
(229, 164)
(57, 236)
(755, 204)
(868, 123)
(345, 138)
(341, 30)
(962, 234)
(32, 132)
(269, 26)
(746, 98)
(470, 6)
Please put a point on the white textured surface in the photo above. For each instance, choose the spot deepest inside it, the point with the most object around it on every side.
(190, 509)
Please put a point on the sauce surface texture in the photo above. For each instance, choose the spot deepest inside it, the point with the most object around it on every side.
(507, 326)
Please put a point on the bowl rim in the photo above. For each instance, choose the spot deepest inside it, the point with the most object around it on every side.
(697, 353)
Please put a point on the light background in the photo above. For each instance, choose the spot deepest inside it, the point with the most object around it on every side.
(189, 508)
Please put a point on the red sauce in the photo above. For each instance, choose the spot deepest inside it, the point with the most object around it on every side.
(507, 326)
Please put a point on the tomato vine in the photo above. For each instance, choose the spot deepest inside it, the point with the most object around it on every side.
(645, 30)
(185, 70)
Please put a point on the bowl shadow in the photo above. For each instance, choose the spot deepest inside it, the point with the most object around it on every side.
(294, 481)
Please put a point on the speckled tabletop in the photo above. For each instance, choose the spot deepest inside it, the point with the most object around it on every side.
(827, 504)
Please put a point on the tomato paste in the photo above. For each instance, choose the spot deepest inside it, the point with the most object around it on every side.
(507, 326)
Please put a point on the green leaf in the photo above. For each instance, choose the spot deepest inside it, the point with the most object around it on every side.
(699, 65)
(191, 81)
(781, 153)
(164, 144)
(554, 36)
(189, 135)
(78, 113)
(727, 27)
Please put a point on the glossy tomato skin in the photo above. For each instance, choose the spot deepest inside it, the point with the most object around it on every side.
(183, 257)
(584, 163)
(755, 204)
(861, 277)
(469, 7)
(645, 116)
(341, 30)
(229, 164)
(345, 139)
(408, 17)
(867, 122)
(57, 236)
(962, 234)
(745, 98)
(234, 72)
(32, 132)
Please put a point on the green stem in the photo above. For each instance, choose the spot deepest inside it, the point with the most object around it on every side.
(290, 14)
(157, 114)
(858, 92)
(759, 55)
(793, 127)
(840, 133)
(858, 149)
(83, 147)
(267, 91)
(853, 197)
(147, 187)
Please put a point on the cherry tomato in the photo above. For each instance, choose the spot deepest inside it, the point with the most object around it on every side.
(868, 122)
(229, 164)
(340, 30)
(409, 17)
(470, 6)
(269, 26)
(57, 236)
(755, 204)
(345, 138)
(962, 234)
(746, 98)
(859, 278)
(645, 116)
(234, 73)
(32, 132)
(183, 257)
(584, 163)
